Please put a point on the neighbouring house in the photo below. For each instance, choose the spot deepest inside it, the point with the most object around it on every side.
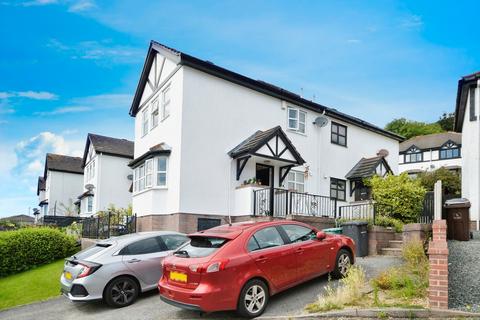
(42, 202)
(431, 152)
(467, 112)
(107, 178)
(62, 182)
(211, 144)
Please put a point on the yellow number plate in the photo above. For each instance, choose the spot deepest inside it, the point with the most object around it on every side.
(178, 276)
(68, 275)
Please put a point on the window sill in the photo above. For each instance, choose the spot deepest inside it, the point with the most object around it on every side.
(163, 119)
(337, 144)
(297, 132)
(149, 189)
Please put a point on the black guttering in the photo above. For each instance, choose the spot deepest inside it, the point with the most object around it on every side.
(460, 106)
(148, 155)
(260, 86)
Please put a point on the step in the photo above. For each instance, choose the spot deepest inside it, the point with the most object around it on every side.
(398, 236)
(391, 251)
(395, 244)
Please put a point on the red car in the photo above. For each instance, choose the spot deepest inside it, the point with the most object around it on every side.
(239, 266)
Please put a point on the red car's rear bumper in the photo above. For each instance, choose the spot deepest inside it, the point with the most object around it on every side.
(203, 298)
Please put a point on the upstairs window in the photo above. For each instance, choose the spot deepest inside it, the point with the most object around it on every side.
(449, 151)
(296, 181)
(155, 114)
(339, 134)
(145, 117)
(413, 155)
(296, 119)
(166, 102)
(337, 189)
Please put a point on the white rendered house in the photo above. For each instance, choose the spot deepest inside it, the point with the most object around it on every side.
(62, 182)
(467, 113)
(206, 138)
(431, 152)
(108, 178)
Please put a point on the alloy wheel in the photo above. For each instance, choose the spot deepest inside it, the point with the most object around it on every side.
(123, 292)
(255, 299)
(343, 264)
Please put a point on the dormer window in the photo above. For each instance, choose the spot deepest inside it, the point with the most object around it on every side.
(413, 155)
(449, 150)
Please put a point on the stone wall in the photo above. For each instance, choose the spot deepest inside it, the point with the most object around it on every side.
(379, 238)
(416, 231)
(438, 274)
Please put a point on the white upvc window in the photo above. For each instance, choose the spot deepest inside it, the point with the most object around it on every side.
(296, 119)
(145, 118)
(296, 181)
(89, 204)
(154, 114)
(166, 102)
(162, 171)
(148, 173)
(45, 210)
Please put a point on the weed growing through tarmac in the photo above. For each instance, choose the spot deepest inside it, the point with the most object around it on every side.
(403, 286)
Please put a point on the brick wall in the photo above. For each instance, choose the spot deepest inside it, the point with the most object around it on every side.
(438, 257)
(378, 238)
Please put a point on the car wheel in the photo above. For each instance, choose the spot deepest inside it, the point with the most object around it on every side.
(253, 299)
(121, 292)
(342, 263)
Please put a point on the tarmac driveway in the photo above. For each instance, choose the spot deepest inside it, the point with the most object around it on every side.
(149, 306)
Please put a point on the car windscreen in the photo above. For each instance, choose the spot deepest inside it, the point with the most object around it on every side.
(199, 247)
(84, 254)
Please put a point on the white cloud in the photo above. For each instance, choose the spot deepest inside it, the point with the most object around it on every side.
(35, 167)
(92, 103)
(82, 5)
(354, 40)
(37, 95)
(38, 3)
(101, 52)
(411, 22)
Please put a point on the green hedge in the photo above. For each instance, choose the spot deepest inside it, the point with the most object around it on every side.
(27, 248)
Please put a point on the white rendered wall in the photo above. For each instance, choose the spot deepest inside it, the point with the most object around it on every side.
(64, 188)
(218, 115)
(471, 160)
(431, 162)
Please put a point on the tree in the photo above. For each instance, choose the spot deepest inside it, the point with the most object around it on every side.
(447, 121)
(451, 182)
(399, 197)
(410, 128)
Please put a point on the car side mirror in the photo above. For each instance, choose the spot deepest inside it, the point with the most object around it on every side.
(321, 235)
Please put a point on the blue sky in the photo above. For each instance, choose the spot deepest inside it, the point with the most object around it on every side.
(71, 67)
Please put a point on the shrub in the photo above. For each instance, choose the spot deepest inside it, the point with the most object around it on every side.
(451, 181)
(385, 221)
(401, 197)
(26, 248)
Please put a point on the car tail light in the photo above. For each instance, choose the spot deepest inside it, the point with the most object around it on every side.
(198, 268)
(87, 269)
(217, 266)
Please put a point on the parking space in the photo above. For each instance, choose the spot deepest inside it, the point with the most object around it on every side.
(149, 306)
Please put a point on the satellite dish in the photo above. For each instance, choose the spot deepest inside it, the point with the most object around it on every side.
(89, 187)
(130, 177)
(321, 121)
(383, 153)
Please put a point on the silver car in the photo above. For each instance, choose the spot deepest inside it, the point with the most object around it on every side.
(119, 268)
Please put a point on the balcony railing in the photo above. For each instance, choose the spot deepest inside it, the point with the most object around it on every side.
(286, 202)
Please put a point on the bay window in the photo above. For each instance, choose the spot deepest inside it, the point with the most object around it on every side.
(152, 173)
(162, 171)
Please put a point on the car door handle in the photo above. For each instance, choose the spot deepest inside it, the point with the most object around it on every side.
(299, 250)
(261, 259)
(134, 260)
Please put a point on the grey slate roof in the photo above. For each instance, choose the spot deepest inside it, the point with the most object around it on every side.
(259, 139)
(40, 185)
(431, 141)
(112, 146)
(365, 168)
(60, 162)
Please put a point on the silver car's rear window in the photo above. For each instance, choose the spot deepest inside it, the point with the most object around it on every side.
(84, 254)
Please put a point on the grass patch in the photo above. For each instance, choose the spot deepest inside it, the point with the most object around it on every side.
(403, 286)
(30, 286)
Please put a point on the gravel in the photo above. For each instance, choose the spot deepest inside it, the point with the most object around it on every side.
(464, 274)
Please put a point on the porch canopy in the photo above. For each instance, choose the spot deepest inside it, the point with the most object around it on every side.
(272, 144)
(367, 168)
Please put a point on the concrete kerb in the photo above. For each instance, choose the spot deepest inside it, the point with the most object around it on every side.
(380, 313)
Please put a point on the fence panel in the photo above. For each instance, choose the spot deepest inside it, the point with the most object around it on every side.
(108, 225)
